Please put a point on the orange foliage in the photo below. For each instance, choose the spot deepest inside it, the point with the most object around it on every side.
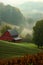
(36, 59)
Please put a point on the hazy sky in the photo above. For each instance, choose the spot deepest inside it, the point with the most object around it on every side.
(17, 2)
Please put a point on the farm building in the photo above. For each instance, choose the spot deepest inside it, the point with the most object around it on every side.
(11, 35)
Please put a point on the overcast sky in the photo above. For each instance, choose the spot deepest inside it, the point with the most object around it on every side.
(18, 2)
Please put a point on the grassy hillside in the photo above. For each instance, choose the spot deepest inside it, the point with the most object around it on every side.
(9, 49)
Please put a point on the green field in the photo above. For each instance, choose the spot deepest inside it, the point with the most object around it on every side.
(9, 49)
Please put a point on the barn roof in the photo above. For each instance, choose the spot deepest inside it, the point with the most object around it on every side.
(13, 32)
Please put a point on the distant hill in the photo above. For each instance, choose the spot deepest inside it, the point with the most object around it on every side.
(11, 15)
(33, 10)
(31, 7)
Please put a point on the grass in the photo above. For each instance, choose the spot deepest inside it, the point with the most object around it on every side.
(9, 49)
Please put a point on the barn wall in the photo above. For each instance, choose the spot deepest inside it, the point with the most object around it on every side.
(6, 36)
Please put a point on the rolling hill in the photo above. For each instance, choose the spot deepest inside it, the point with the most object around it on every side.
(9, 49)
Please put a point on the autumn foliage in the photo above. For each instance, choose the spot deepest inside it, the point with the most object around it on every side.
(36, 59)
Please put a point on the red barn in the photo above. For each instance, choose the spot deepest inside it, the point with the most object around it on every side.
(10, 35)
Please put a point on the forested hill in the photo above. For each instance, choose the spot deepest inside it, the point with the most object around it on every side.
(11, 15)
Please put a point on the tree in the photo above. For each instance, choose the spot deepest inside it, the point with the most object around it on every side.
(28, 38)
(38, 33)
(4, 28)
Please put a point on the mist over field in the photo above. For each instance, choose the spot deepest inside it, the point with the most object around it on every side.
(23, 17)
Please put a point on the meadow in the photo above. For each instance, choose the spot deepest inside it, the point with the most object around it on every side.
(10, 49)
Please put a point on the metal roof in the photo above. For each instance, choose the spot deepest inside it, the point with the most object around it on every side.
(17, 38)
(13, 32)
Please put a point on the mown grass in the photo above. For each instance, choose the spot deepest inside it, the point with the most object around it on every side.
(9, 49)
